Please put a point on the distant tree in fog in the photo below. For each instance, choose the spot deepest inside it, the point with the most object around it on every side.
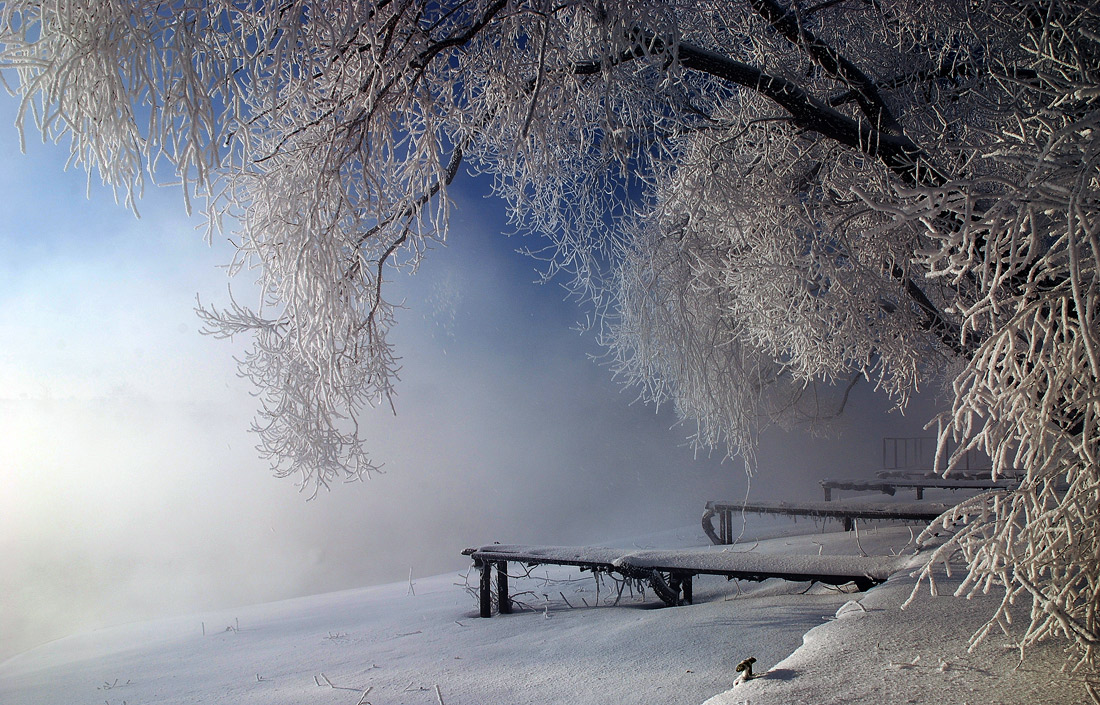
(755, 199)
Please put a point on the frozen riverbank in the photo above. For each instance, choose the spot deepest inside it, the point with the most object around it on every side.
(386, 644)
(874, 652)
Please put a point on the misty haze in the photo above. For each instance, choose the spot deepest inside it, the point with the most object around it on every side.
(134, 489)
(504, 352)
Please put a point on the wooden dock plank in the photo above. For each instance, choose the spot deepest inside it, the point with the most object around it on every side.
(680, 565)
(891, 486)
(844, 510)
(722, 560)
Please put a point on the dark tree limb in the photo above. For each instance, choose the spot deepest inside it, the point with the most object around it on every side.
(897, 152)
(864, 89)
(459, 40)
(933, 319)
(449, 174)
(949, 69)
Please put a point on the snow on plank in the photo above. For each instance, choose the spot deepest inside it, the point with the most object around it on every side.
(670, 572)
(583, 556)
(747, 565)
(856, 509)
(890, 486)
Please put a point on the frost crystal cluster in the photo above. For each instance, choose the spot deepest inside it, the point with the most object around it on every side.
(757, 199)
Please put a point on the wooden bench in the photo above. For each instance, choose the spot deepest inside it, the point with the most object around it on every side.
(845, 511)
(680, 566)
(891, 485)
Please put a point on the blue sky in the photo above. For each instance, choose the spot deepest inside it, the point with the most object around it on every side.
(131, 487)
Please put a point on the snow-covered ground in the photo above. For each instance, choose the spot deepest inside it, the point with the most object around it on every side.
(425, 644)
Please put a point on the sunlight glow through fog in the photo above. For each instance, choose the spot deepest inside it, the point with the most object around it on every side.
(131, 487)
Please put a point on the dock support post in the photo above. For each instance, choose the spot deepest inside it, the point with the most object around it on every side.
(485, 595)
(503, 600)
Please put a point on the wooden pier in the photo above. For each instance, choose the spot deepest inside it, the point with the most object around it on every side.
(891, 485)
(670, 572)
(846, 511)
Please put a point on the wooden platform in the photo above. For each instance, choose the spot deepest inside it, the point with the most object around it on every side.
(891, 485)
(670, 572)
(955, 475)
(846, 511)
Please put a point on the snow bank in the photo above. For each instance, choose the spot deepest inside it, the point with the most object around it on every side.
(873, 652)
(396, 644)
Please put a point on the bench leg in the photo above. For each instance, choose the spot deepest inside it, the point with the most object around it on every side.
(920, 493)
(686, 587)
(828, 493)
(485, 594)
(847, 523)
(724, 527)
(503, 600)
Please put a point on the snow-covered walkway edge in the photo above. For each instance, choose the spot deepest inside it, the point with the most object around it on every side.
(874, 652)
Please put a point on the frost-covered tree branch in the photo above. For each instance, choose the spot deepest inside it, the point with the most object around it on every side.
(754, 199)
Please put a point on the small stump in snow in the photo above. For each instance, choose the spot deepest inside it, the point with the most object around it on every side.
(745, 670)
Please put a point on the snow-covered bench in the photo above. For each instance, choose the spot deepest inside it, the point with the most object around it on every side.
(670, 572)
(846, 511)
(890, 485)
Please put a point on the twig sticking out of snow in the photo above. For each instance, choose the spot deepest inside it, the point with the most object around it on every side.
(855, 527)
(332, 685)
(848, 607)
(438, 695)
(906, 665)
(363, 700)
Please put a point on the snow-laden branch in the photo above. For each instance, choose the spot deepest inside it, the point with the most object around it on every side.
(753, 199)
